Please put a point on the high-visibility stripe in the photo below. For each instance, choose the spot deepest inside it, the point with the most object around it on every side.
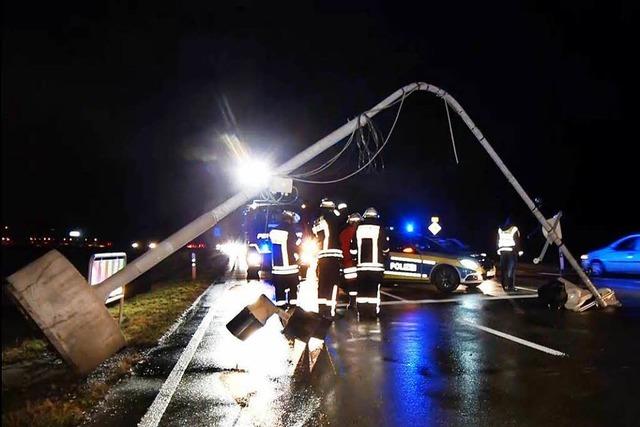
(350, 269)
(400, 258)
(350, 276)
(401, 273)
(280, 303)
(321, 226)
(365, 232)
(353, 293)
(428, 261)
(293, 301)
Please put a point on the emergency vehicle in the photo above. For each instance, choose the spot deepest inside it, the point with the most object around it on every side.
(259, 218)
(446, 263)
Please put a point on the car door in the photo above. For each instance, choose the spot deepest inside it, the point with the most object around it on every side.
(623, 257)
(404, 263)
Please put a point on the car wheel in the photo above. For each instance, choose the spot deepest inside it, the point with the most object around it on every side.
(446, 279)
(597, 268)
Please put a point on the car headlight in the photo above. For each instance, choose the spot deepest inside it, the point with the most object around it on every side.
(584, 257)
(470, 264)
(254, 259)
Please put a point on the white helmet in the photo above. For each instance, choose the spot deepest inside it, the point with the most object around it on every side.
(354, 218)
(294, 217)
(326, 203)
(371, 213)
(342, 206)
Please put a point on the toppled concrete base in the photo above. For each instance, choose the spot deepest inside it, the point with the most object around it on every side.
(58, 299)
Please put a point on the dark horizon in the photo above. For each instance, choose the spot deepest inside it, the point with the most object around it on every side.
(112, 115)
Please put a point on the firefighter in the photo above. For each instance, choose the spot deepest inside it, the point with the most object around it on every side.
(327, 228)
(371, 245)
(509, 250)
(349, 269)
(284, 266)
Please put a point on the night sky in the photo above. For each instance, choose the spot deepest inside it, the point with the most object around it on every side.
(112, 115)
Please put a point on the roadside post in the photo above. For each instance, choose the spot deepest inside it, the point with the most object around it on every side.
(193, 266)
(67, 321)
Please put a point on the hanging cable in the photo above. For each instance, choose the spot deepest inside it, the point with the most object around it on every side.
(453, 141)
(371, 159)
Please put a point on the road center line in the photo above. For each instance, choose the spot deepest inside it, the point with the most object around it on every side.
(392, 295)
(437, 301)
(160, 403)
(516, 339)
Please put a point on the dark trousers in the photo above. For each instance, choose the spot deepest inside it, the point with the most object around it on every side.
(368, 282)
(328, 276)
(508, 264)
(284, 282)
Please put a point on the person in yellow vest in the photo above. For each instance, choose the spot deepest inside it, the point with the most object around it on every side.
(509, 250)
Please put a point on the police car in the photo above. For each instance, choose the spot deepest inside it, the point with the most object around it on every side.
(446, 263)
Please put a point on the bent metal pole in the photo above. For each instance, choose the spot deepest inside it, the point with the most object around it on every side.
(209, 219)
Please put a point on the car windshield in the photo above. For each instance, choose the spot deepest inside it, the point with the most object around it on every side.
(429, 244)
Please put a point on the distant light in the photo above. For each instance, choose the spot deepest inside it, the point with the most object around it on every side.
(435, 219)
(483, 254)
(408, 250)
(391, 228)
(95, 239)
(135, 245)
(584, 256)
(152, 245)
(74, 233)
(409, 227)
(303, 206)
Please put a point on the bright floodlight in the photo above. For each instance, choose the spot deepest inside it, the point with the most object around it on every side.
(253, 173)
(135, 245)
(152, 245)
(74, 233)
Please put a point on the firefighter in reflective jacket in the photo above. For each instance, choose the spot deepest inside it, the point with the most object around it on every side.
(508, 249)
(284, 266)
(349, 269)
(370, 245)
(326, 229)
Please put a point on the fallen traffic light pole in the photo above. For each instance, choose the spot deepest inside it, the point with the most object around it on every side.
(72, 315)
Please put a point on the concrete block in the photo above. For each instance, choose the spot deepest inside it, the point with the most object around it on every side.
(60, 301)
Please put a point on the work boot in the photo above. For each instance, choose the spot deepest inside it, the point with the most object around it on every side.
(353, 304)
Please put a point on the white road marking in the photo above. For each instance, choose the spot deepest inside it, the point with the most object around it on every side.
(437, 301)
(516, 339)
(527, 289)
(160, 403)
(392, 296)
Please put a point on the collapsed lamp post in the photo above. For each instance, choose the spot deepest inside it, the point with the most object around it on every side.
(37, 286)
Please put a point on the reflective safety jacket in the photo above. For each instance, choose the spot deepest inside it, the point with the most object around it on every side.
(348, 260)
(326, 228)
(370, 245)
(508, 240)
(284, 246)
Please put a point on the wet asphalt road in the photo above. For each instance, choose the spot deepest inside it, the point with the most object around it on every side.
(440, 362)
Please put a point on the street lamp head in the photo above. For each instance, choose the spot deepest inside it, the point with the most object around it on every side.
(253, 173)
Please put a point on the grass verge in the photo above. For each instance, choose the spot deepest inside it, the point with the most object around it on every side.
(63, 399)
